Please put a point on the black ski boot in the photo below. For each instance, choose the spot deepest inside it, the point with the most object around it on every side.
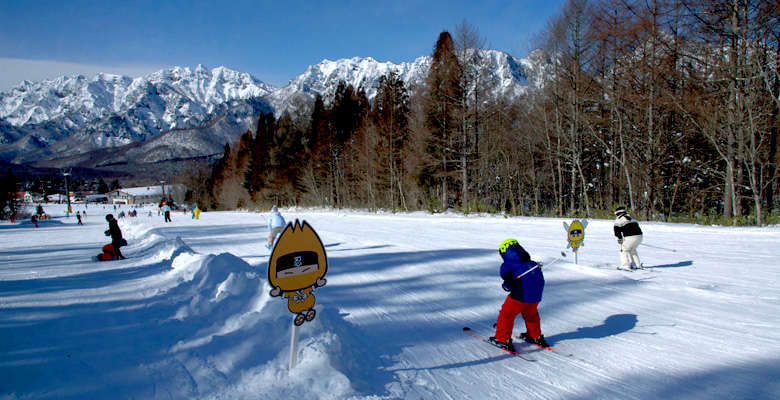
(541, 342)
(508, 345)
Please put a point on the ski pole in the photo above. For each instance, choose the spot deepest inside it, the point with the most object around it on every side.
(563, 254)
(657, 247)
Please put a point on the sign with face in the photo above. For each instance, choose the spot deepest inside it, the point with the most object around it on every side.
(575, 233)
(297, 267)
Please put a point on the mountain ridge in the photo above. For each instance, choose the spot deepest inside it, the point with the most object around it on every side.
(42, 122)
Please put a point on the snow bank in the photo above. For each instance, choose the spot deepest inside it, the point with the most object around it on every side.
(191, 326)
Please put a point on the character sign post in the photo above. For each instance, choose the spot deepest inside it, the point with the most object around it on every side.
(296, 269)
(575, 235)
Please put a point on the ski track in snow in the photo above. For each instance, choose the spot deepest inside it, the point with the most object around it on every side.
(188, 314)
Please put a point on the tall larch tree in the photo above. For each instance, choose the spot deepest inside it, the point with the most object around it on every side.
(391, 118)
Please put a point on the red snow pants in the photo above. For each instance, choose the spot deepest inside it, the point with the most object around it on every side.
(108, 253)
(508, 313)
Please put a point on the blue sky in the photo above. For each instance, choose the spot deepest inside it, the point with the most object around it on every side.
(274, 41)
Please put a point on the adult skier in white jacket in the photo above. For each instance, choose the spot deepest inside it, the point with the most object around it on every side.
(629, 237)
(276, 225)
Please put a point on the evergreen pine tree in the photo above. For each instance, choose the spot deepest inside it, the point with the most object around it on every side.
(102, 187)
(255, 177)
(443, 99)
(8, 188)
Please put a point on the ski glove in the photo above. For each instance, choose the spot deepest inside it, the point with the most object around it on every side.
(620, 241)
(505, 287)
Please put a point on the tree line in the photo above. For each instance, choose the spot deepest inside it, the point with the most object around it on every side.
(668, 107)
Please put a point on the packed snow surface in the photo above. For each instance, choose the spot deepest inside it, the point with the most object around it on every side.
(188, 315)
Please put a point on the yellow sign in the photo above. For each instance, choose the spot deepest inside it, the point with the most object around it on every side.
(576, 233)
(296, 269)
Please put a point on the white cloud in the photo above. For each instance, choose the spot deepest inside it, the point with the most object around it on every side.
(13, 70)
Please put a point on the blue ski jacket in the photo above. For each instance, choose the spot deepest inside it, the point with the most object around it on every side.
(275, 220)
(527, 289)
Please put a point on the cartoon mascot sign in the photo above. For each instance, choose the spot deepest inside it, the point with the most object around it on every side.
(296, 269)
(576, 235)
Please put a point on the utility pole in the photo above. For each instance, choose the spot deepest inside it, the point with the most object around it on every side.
(67, 189)
(163, 189)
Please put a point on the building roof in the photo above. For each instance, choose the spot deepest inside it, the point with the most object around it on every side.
(141, 191)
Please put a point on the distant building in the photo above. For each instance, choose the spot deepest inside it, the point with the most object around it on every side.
(59, 198)
(26, 197)
(141, 195)
(96, 198)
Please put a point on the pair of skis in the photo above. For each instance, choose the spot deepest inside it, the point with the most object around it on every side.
(516, 353)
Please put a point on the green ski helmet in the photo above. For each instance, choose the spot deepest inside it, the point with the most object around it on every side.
(505, 245)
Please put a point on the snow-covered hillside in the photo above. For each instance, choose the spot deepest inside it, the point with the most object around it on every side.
(188, 315)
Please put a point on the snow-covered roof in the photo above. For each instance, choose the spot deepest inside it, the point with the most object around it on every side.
(142, 191)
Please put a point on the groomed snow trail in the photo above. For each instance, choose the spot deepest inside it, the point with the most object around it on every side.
(701, 325)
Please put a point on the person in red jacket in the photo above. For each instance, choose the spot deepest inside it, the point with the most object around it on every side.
(524, 281)
(108, 253)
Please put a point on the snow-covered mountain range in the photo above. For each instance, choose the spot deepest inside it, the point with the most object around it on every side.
(183, 113)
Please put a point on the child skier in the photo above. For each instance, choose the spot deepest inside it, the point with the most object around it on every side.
(524, 296)
(116, 236)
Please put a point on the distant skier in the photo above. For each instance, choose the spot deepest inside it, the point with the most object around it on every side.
(78, 217)
(524, 296)
(167, 212)
(276, 225)
(116, 236)
(629, 237)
